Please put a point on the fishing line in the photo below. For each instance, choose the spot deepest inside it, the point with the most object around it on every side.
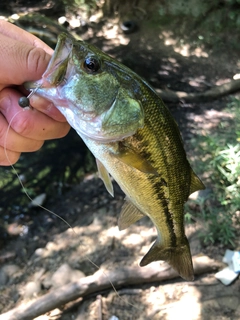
(25, 104)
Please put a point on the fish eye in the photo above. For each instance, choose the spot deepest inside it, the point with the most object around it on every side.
(91, 65)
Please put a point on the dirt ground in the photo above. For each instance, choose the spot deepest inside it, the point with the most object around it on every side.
(42, 254)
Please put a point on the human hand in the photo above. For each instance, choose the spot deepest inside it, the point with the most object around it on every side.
(24, 58)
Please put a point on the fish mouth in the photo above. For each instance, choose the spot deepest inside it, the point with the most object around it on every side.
(57, 66)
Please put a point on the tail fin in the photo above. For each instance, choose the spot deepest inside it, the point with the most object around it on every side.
(179, 258)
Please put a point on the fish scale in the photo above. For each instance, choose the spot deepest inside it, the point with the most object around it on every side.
(134, 138)
(168, 205)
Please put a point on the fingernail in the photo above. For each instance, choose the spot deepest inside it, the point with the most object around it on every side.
(5, 102)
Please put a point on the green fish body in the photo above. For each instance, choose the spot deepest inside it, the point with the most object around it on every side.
(134, 138)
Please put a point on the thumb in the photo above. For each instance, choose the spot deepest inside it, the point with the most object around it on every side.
(20, 61)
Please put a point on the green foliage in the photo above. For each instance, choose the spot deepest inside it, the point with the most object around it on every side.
(87, 6)
(219, 161)
(211, 20)
(182, 7)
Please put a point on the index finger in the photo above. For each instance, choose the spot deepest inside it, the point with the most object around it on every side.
(20, 62)
(10, 30)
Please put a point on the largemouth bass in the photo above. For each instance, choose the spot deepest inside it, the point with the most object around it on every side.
(134, 138)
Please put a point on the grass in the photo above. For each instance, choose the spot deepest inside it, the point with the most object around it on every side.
(219, 162)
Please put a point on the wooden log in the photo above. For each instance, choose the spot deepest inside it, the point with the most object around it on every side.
(101, 281)
(211, 94)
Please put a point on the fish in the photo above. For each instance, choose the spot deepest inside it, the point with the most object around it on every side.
(134, 138)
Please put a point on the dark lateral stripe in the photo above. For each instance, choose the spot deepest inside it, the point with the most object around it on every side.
(157, 182)
(158, 187)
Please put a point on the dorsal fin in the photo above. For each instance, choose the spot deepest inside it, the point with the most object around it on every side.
(129, 215)
(104, 175)
(196, 183)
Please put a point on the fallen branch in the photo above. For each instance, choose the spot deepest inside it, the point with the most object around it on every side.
(214, 93)
(101, 281)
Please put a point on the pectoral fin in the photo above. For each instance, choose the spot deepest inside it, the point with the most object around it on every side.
(129, 215)
(196, 183)
(134, 160)
(104, 175)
